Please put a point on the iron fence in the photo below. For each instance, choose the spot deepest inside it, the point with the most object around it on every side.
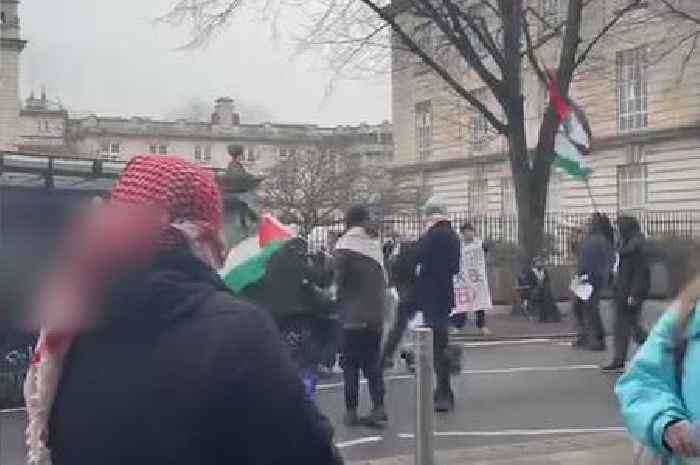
(559, 228)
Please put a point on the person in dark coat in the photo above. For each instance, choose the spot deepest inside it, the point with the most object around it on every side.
(594, 266)
(438, 261)
(361, 297)
(539, 293)
(632, 283)
(146, 357)
(403, 278)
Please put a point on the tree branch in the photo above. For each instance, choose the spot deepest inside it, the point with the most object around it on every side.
(616, 18)
(389, 16)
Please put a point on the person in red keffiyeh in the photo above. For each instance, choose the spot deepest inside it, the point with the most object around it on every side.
(144, 357)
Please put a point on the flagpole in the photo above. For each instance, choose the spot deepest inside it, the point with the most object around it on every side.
(590, 193)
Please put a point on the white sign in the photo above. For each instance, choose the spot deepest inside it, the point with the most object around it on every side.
(472, 283)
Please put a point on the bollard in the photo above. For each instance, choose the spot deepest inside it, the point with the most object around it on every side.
(425, 419)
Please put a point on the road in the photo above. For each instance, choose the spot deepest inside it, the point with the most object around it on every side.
(509, 391)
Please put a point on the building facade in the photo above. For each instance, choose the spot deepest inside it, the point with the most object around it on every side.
(645, 117)
(39, 126)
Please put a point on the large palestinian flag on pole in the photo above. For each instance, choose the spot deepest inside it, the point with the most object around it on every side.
(572, 142)
(247, 262)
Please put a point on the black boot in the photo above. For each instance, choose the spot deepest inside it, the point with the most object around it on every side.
(377, 418)
(444, 400)
(351, 419)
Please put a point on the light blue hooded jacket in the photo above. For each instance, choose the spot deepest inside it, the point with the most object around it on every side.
(650, 393)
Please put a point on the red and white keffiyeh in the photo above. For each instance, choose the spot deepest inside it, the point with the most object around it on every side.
(158, 203)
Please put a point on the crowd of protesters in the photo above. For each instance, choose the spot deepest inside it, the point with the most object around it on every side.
(141, 340)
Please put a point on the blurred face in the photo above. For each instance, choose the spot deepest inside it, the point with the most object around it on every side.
(539, 264)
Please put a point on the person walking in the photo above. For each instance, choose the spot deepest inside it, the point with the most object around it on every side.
(594, 266)
(145, 357)
(361, 292)
(658, 395)
(438, 261)
(403, 279)
(632, 283)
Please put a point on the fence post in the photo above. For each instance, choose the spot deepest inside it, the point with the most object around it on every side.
(425, 419)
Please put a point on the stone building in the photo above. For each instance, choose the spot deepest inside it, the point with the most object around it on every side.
(645, 118)
(41, 126)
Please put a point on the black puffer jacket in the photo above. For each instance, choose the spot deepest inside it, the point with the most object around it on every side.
(183, 373)
(633, 274)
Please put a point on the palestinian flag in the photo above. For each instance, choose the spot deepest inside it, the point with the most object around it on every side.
(572, 142)
(247, 262)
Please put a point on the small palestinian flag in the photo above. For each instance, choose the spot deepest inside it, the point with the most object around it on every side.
(247, 262)
(572, 142)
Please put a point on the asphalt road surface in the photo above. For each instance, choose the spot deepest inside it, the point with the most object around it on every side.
(510, 391)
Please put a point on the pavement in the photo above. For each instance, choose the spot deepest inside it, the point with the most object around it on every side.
(524, 397)
(598, 449)
(505, 325)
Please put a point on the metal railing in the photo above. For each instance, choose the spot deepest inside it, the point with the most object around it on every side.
(559, 228)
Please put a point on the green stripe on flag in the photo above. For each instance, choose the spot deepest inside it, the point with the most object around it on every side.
(573, 167)
(253, 269)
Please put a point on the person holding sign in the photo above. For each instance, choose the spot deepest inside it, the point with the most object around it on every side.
(471, 284)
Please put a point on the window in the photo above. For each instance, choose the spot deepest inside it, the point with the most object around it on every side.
(554, 192)
(551, 11)
(163, 149)
(478, 192)
(478, 13)
(202, 153)
(114, 147)
(632, 89)
(152, 149)
(104, 147)
(478, 124)
(424, 129)
(250, 157)
(508, 199)
(287, 152)
(632, 180)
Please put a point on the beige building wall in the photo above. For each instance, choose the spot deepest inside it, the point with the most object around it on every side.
(669, 143)
(11, 46)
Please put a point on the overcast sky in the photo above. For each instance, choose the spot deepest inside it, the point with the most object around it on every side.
(105, 57)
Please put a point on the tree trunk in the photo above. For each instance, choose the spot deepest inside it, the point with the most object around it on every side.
(531, 180)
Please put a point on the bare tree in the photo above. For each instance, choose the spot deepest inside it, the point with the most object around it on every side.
(307, 188)
(493, 38)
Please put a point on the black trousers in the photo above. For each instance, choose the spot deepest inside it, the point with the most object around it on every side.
(626, 327)
(588, 321)
(405, 312)
(439, 323)
(360, 351)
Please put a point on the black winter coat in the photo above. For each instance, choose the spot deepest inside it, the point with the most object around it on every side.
(633, 273)
(361, 290)
(403, 271)
(438, 257)
(596, 258)
(183, 373)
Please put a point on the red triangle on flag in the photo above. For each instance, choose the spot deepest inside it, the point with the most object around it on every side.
(270, 229)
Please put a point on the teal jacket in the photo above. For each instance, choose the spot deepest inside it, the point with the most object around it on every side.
(650, 393)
